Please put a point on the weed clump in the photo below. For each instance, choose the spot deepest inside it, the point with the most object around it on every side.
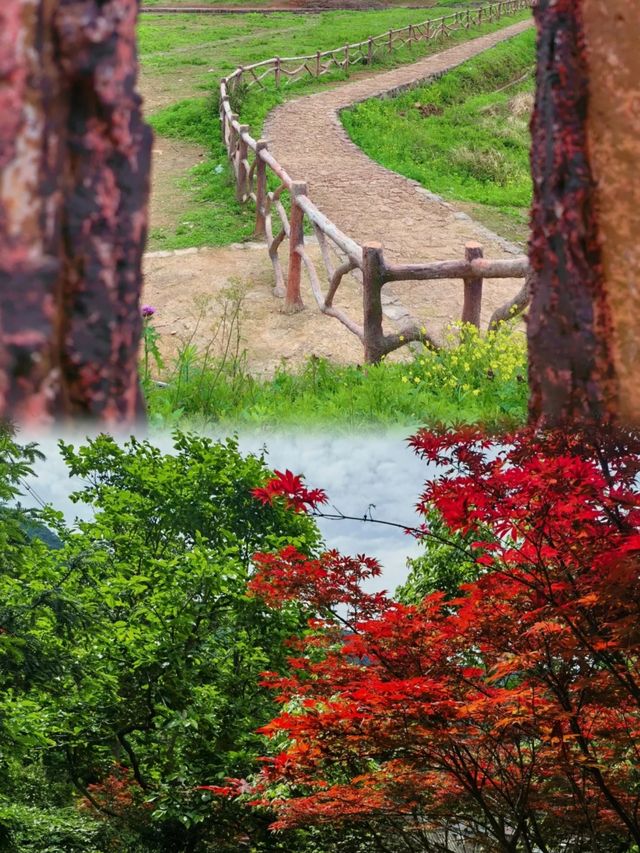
(473, 378)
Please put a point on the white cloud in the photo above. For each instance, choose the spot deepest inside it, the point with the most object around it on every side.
(355, 471)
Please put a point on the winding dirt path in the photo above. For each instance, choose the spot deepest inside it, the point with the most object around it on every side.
(366, 201)
(370, 203)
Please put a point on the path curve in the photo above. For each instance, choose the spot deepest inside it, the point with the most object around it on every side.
(369, 202)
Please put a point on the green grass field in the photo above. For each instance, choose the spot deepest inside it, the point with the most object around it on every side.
(250, 4)
(196, 50)
(425, 4)
(465, 137)
(187, 54)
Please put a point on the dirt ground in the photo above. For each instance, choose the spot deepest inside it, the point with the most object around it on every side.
(195, 292)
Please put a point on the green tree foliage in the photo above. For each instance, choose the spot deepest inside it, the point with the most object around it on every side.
(148, 650)
(446, 563)
(23, 656)
(35, 811)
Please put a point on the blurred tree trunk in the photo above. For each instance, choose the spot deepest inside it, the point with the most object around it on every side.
(584, 347)
(74, 182)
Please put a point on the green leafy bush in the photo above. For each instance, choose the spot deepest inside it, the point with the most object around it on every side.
(46, 830)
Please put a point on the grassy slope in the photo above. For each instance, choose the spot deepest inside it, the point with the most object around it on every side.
(200, 49)
(477, 149)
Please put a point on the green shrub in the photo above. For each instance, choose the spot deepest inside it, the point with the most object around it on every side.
(46, 830)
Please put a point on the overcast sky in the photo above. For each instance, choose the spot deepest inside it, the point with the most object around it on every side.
(354, 471)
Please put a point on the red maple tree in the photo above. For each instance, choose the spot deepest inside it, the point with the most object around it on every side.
(117, 794)
(509, 716)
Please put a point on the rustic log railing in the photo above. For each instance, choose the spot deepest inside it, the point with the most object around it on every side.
(251, 162)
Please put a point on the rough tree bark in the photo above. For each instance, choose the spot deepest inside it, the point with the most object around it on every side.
(612, 30)
(585, 308)
(74, 183)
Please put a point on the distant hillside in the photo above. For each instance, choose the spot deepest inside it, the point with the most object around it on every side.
(31, 528)
(35, 530)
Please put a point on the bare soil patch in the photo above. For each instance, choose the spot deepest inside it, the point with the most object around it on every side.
(160, 91)
(191, 290)
(194, 290)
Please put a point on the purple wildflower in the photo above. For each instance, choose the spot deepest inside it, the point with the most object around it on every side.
(147, 311)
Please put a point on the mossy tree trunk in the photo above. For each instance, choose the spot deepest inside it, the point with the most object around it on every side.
(584, 363)
(74, 183)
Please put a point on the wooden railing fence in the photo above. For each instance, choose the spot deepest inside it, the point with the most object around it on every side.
(251, 161)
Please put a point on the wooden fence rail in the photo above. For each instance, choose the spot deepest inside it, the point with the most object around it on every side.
(252, 162)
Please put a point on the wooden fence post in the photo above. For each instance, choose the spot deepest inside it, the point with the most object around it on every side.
(472, 288)
(410, 35)
(223, 120)
(427, 35)
(346, 59)
(293, 300)
(370, 51)
(372, 283)
(318, 64)
(261, 189)
(277, 71)
(390, 40)
(232, 138)
(241, 169)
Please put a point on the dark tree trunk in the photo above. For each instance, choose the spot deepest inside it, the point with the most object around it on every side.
(74, 183)
(570, 366)
(584, 363)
